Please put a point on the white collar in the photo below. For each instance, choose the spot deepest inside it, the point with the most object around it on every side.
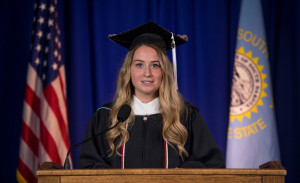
(140, 108)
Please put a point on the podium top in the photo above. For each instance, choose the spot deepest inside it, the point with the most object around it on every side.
(178, 171)
(266, 174)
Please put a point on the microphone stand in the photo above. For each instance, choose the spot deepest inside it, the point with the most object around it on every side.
(67, 161)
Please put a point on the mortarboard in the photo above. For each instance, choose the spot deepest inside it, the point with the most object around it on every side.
(151, 33)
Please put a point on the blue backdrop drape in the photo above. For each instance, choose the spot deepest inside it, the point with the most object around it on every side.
(204, 63)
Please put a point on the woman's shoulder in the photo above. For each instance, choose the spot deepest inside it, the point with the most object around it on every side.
(105, 108)
(102, 111)
(101, 116)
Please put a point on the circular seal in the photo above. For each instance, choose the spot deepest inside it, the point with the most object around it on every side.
(246, 85)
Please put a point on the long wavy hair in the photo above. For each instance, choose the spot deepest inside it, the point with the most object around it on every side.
(171, 105)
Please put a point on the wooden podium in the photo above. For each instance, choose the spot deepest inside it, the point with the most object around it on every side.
(269, 172)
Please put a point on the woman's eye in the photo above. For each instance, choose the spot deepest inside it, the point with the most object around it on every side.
(139, 65)
(155, 65)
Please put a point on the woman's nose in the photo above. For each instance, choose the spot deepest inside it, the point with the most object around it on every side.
(147, 71)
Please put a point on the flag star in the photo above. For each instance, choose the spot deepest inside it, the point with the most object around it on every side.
(52, 9)
(32, 32)
(55, 2)
(38, 48)
(55, 53)
(49, 36)
(56, 39)
(45, 63)
(41, 20)
(58, 32)
(59, 57)
(50, 22)
(35, 6)
(43, 6)
(59, 44)
(37, 61)
(54, 66)
(34, 19)
(44, 76)
(46, 49)
(40, 34)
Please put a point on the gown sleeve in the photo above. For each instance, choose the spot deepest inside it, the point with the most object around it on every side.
(202, 148)
(93, 153)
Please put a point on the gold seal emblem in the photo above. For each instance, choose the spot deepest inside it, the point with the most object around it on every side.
(247, 85)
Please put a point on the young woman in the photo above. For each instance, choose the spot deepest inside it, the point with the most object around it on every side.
(163, 130)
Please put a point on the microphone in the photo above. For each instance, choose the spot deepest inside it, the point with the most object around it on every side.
(122, 116)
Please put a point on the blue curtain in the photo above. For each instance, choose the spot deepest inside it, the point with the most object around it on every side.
(204, 63)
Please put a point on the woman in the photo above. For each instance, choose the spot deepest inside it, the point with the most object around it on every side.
(162, 131)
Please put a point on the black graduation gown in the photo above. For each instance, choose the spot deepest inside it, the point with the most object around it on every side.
(145, 147)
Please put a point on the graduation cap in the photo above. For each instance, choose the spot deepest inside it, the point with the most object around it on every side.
(151, 33)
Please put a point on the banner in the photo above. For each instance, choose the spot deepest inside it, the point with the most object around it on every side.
(45, 135)
(252, 135)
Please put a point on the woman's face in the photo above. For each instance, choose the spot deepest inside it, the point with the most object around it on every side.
(146, 74)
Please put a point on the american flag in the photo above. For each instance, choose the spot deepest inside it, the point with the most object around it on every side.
(45, 135)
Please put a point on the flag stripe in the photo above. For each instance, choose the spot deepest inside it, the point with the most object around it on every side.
(28, 157)
(49, 144)
(62, 75)
(51, 124)
(26, 172)
(32, 100)
(46, 138)
(32, 80)
(63, 92)
(31, 140)
(47, 115)
(51, 97)
(45, 156)
(58, 87)
(29, 116)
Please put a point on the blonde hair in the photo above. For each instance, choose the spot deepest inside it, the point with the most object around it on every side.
(171, 105)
